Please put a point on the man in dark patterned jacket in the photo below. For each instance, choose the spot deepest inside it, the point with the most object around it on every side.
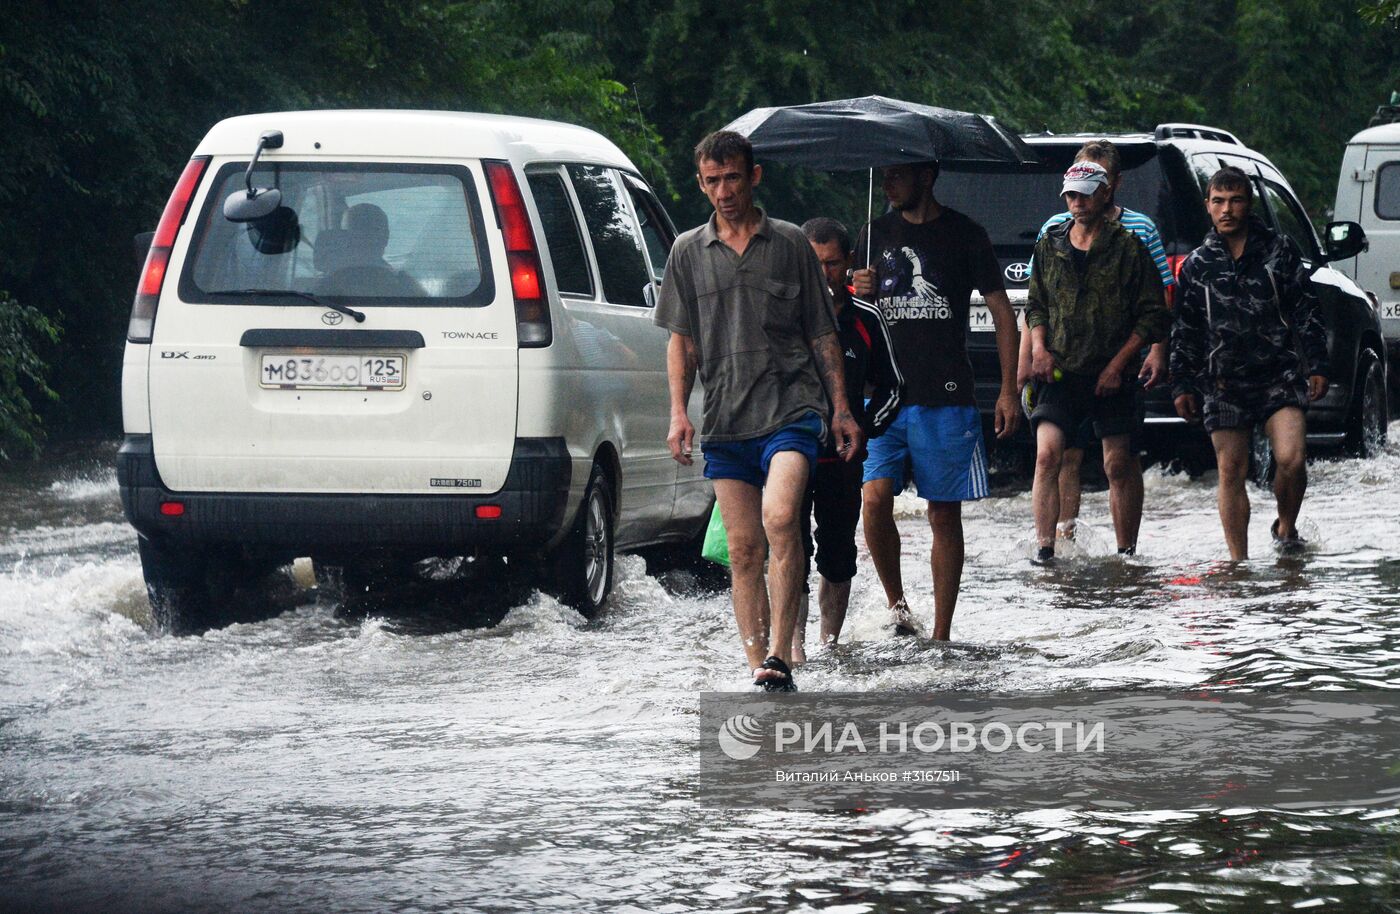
(1248, 347)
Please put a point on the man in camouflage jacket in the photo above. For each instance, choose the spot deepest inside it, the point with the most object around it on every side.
(1248, 347)
(1095, 301)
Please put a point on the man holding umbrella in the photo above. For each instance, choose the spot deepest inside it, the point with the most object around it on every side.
(749, 310)
(925, 261)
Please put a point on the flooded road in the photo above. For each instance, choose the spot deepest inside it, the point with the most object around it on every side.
(508, 755)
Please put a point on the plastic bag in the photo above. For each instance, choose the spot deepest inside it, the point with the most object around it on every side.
(716, 547)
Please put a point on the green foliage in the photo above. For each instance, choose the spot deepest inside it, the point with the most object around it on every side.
(22, 375)
(1381, 12)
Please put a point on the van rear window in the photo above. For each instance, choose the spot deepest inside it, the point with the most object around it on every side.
(372, 233)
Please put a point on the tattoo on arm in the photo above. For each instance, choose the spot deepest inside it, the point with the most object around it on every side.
(828, 356)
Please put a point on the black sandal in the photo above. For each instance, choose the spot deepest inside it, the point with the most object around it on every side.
(785, 684)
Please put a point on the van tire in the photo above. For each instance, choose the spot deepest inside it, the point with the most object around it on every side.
(194, 590)
(177, 586)
(1366, 425)
(582, 565)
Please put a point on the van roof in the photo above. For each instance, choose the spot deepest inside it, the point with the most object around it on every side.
(1385, 133)
(412, 135)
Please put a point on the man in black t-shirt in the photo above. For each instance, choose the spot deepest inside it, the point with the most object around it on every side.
(925, 261)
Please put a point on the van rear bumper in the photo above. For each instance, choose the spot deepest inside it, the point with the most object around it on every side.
(532, 510)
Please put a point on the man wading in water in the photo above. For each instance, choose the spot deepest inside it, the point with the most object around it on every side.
(748, 309)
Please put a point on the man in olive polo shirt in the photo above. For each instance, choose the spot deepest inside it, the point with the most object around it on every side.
(748, 308)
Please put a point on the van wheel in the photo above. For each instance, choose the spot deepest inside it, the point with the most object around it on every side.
(1366, 427)
(177, 586)
(582, 564)
(194, 590)
(1261, 457)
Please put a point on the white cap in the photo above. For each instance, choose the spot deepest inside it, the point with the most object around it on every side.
(1084, 178)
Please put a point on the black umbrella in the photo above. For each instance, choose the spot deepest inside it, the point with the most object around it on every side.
(871, 132)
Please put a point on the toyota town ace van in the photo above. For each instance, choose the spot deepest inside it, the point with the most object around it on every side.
(379, 336)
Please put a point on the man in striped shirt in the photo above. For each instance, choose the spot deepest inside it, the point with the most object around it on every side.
(1154, 367)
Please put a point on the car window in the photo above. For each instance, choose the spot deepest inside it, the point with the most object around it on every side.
(561, 234)
(1388, 191)
(654, 232)
(1291, 219)
(621, 264)
(380, 233)
(1203, 166)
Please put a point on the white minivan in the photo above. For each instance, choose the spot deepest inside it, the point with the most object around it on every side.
(1368, 192)
(380, 336)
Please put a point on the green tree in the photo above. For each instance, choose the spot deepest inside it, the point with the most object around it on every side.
(23, 374)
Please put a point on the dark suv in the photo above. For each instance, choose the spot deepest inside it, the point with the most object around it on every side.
(1164, 176)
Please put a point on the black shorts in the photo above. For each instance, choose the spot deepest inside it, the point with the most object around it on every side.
(834, 497)
(1244, 406)
(1070, 402)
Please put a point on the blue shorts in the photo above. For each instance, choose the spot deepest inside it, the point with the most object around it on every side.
(944, 444)
(748, 460)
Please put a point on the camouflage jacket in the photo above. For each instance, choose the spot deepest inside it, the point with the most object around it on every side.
(1249, 321)
(1092, 312)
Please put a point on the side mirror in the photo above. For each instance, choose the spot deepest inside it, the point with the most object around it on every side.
(1344, 240)
(256, 202)
(649, 295)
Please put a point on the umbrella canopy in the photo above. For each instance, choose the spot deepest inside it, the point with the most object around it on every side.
(872, 132)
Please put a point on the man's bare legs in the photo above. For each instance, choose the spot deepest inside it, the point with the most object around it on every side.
(741, 506)
(833, 599)
(1069, 490)
(1124, 472)
(945, 517)
(754, 519)
(1045, 489)
(882, 536)
(1287, 430)
(946, 557)
(1232, 462)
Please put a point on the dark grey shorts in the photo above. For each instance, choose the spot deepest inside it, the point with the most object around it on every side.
(1071, 404)
(1243, 407)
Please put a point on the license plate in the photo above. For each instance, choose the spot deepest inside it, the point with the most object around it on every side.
(1390, 310)
(979, 318)
(288, 371)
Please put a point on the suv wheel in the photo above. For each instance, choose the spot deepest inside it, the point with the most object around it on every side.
(1366, 428)
(583, 562)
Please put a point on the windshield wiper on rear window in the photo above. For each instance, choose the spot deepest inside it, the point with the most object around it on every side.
(359, 316)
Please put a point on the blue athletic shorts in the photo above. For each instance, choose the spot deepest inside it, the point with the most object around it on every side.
(944, 444)
(748, 460)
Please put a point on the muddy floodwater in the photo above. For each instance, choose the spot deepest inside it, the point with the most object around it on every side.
(497, 752)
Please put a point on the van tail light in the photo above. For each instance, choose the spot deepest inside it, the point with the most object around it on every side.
(143, 309)
(532, 326)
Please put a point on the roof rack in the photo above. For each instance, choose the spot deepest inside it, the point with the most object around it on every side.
(1195, 132)
(1385, 114)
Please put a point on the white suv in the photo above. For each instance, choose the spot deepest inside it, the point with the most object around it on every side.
(363, 335)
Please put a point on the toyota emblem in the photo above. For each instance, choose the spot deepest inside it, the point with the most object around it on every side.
(332, 318)
(1017, 272)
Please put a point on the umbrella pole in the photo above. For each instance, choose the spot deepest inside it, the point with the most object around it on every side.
(869, 209)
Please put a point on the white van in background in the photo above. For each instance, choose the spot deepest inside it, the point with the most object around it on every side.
(380, 336)
(1368, 192)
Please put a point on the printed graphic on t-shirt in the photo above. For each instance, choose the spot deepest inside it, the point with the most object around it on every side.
(909, 288)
